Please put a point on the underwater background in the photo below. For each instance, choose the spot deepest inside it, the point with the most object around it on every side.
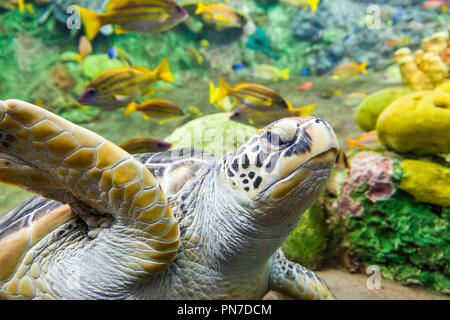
(377, 71)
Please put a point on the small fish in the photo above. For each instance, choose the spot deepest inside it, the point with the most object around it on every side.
(305, 72)
(354, 98)
(219, 14)
(116, 52)
(349, 69)
(268, 72)
(147, 16)
(305, 86)
(204, 43)
(22, 6)
(84, 47)
(399, 41)
(253, 95)
(335, 91)
(118, 87)
(156, 108)
(366, 141)
(259, 119)
(303, 3)
(145, 144)
(435, 4)
(194, 110)
(193, 52)
(39, 102)
(238, 66)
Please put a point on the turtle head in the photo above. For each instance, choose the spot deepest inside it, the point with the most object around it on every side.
(282, 170)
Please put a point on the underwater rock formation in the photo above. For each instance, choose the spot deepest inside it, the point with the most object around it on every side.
(95, 64)
(307, 243)
(418, 122)
(426, 181)
(61, 77)
(379, 221)
(214, 133)
(368, 111)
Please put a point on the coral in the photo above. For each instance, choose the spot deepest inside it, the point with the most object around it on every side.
(61, 77)
(260, 41)
(215, 133)
(445, 87)
(406, 237)
(427, 67)
(418, 122)
(27, 51)
(426, 181)
(374, 184)
(307, 243)
(368, 111)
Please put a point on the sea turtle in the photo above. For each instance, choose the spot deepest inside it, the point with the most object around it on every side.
(177, 225)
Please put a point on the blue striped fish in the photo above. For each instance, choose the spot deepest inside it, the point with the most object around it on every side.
(118, 87)
(156, 108)
(148, 16)
(253, 95)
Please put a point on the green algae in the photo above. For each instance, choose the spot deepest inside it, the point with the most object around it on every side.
(308, 242)
(408, 239)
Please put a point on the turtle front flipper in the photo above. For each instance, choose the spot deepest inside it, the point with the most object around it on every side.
(107, 187)
(296, 281)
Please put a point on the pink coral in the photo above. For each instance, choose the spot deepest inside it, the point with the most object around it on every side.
(367, 169)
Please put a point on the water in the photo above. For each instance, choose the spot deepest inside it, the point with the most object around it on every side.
(37, 65)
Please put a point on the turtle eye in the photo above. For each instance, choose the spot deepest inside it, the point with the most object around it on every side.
(280, 137)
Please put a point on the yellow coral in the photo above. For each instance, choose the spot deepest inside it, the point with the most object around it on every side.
(429, 66)
(418, 122)
(426, 181)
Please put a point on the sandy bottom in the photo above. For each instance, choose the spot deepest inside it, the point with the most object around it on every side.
(349, 286)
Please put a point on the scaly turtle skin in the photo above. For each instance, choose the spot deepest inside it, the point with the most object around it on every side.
(175, 225)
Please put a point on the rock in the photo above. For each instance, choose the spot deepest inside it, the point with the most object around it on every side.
(369, 177)
(426, 181)
(368, 111)
(61, 77)
(418, 122)
(214, 133)
(95, 64)
(307, 243)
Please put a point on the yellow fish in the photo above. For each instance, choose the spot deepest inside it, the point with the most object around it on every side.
(303, 3)
(219, 14)
(253, 95)
(195, 54)
(85, 48)
(148, 16)
(268, 72)
(156, 108)
(366, 141)
(118, 87)
(204, 43)
(349, 69)
(194, 110)
(22, 6)
(259, 119)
